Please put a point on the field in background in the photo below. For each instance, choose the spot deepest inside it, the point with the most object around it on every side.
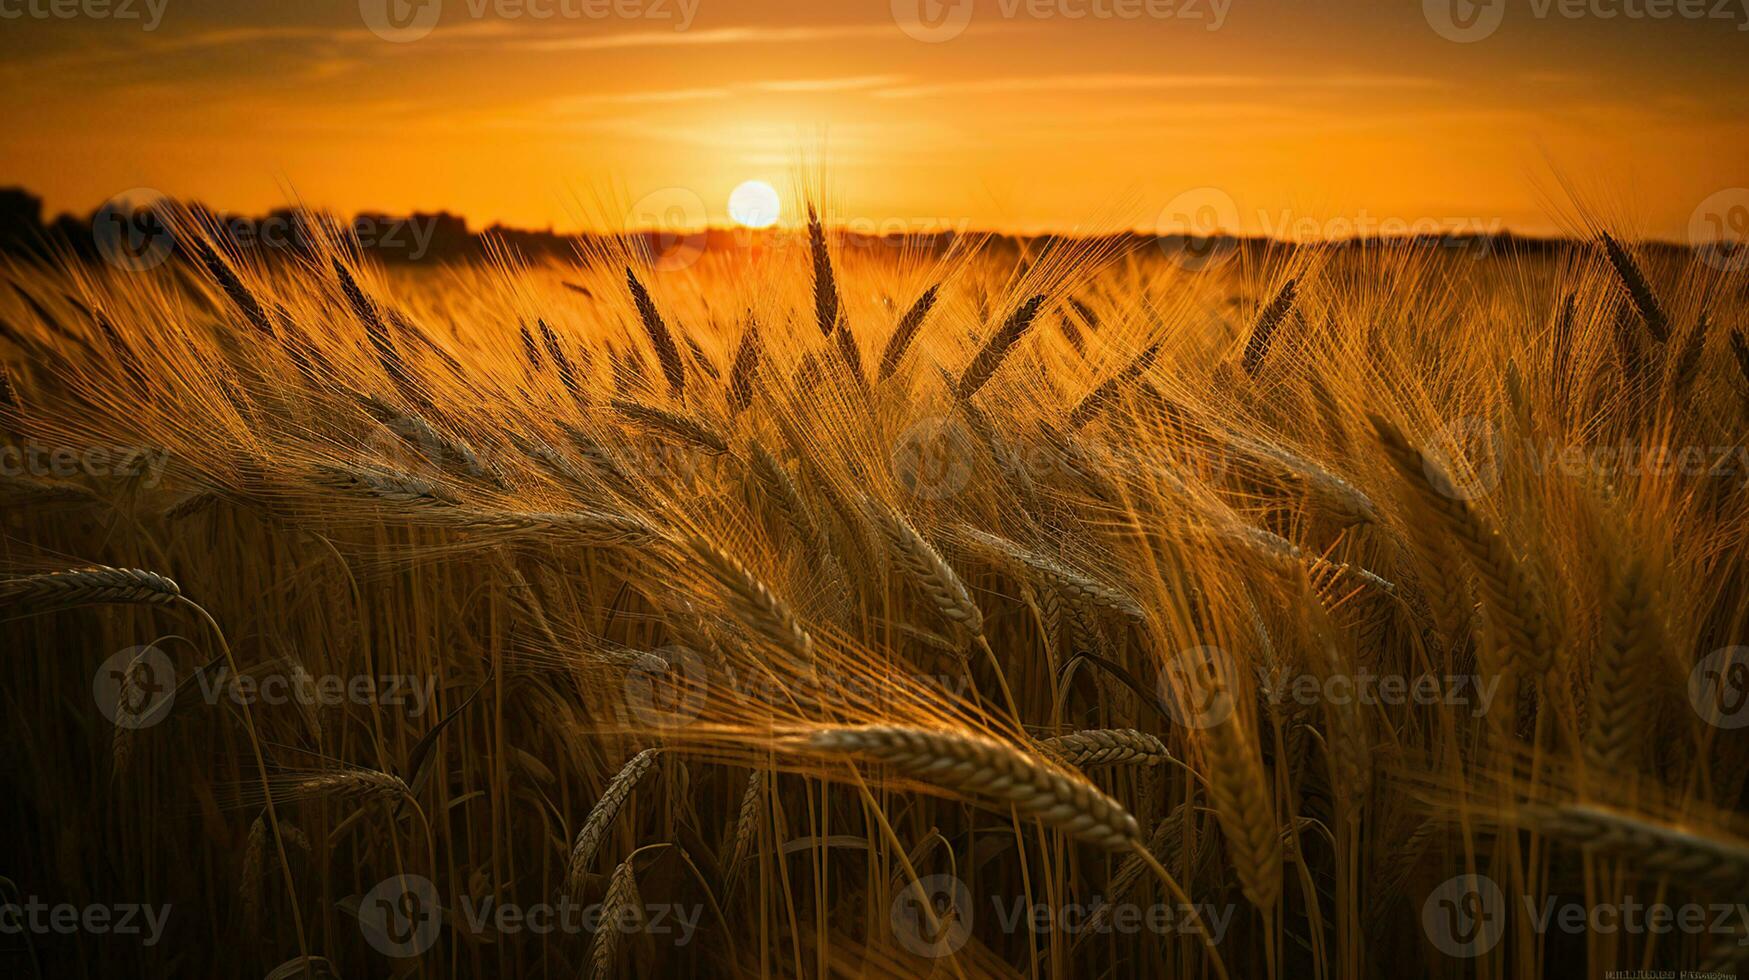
(859, 610)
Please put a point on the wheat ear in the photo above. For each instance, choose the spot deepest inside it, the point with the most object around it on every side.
(1632, 639)
(1107, 747)
(927, 568)
(976, 764)
(601, 815)
(86, 586)
(1686, 855)
(1516, 614)
(1263, 331)
(906, 332)
(1638, 289)
(667, 353)
(825, 284)
(990, 357)
(622, 894)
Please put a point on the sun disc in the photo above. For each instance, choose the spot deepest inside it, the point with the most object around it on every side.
(755, 204)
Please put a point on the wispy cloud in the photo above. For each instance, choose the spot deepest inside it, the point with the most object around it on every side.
(1111, 82)
(712, 36)
(846, 84)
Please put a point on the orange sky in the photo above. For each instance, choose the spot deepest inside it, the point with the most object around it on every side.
(1280, 115)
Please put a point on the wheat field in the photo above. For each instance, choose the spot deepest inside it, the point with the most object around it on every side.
(861, 607)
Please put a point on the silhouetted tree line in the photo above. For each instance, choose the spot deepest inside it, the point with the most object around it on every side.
(111, 230)
(135, 233)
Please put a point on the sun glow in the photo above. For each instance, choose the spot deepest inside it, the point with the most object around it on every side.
(754, 203)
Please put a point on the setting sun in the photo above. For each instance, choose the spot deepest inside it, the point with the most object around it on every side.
(754, 203)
